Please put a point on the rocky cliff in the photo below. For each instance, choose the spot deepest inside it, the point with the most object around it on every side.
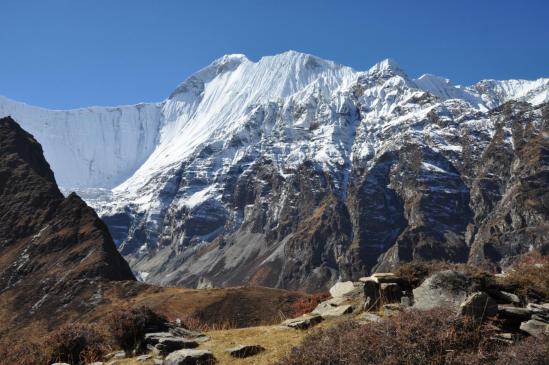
(55, 252)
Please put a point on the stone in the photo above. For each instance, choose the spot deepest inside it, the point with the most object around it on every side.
(366, 317)
(385, 277)
(381, 277)
(535, 328)
(538, 308)
(345, 289)
(329, 304)
(406, 301)
(164, 343)
(372, 295)
(190, 357)
(242, 351)
(446, 288)
(479, 305)
(143, 357)
(506, 297)
(514, 312)
(303, 322)
(338, 311)
(390, 292)
(504, 337)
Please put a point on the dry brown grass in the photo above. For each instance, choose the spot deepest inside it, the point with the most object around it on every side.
(530, 276)
(407, 338)
(436, 337)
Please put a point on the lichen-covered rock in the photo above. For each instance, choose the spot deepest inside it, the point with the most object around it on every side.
(447, 288)
(479, 305)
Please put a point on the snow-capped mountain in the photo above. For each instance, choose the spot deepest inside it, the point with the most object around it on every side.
(294, 171)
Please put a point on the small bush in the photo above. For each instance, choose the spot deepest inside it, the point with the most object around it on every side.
(23, 353)
(128, 327)
(306, 304)
(530, 276)
(407, 338)
(76, 344)
(531, 351)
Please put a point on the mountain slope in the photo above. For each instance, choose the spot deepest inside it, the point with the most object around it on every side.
(294, 171)
(55, 252)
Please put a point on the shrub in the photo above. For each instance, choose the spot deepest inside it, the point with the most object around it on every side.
(23, 353)
(306, 304)
(412, 337)
(76, 344)
(531, 351)
(128, 327)
(530, 276)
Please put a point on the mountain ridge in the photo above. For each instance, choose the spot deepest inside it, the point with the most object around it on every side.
(293, 172)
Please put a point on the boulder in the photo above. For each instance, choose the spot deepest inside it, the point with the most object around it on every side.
(514, 312)
(535, 327)
(479, 305)
(190, 357)
(446, 288)
(346, 289)
(538, 308)
(242, 351)
(329, 304)
(372, 295)
(337, 311)
(163, 343)
(143, 357)
(390, 292)
(166, 346)
(303, 322)
(505, 297)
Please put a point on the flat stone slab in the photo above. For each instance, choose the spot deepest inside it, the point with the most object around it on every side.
(381, 278)
(535, 328)
(303, 322)
(345, 289)
(514, 312)
(366, 317)
(190, 357)
(335, 311)
(242, 351)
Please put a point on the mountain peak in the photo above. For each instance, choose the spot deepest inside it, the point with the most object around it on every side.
(387, 67)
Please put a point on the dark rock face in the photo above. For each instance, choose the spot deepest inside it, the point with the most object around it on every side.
(511, 190)
(460, 185)
(54, 252)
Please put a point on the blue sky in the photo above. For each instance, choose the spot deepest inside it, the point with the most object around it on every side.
(74, 53)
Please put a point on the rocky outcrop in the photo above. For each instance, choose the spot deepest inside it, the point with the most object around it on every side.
(459, 185)
(443, 289)
(56, 254)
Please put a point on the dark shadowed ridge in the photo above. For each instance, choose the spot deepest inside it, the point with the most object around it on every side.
(55, 252)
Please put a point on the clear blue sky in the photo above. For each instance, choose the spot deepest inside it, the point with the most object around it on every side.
(73, 53)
